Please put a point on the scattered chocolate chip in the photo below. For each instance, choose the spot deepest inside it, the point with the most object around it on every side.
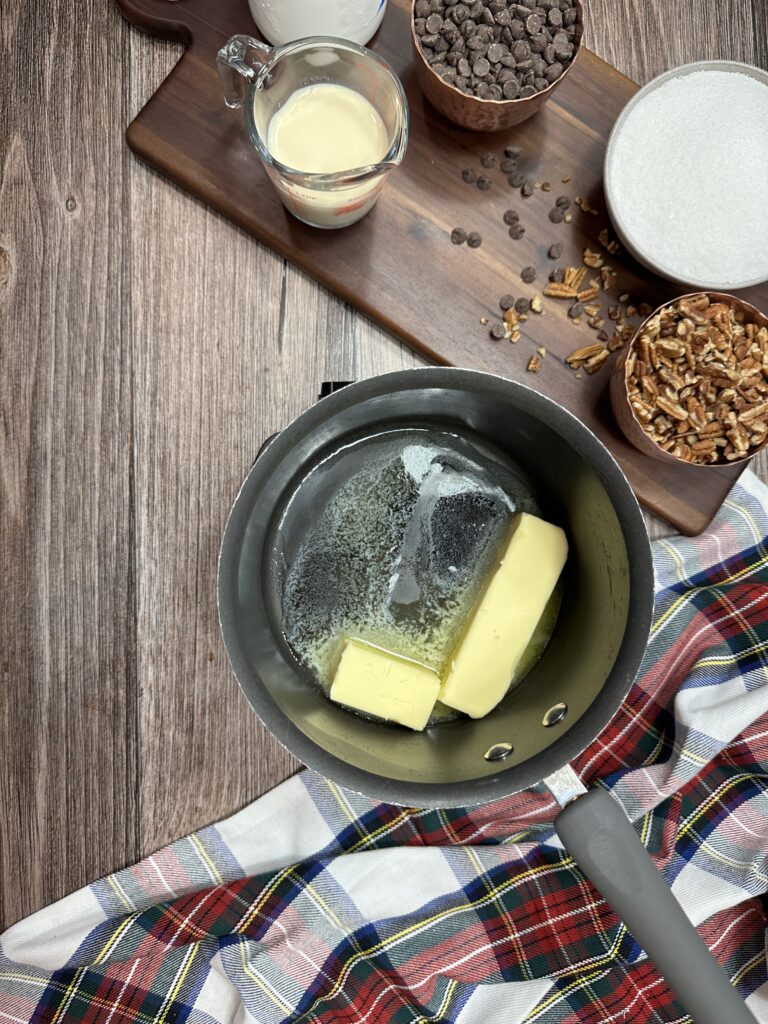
(555, 251)
(511, 216)
(458, 236)
(562, 203)
(556, 215)
(527, 188)
(507, 302)
(484, 183)
(576, 310)
(513, 152)
(469, 176)
(528, 274)
(488, 160)
(522, 305)
(557, 276)
(474, 239)
(516, 180)
(508, 165)
(498, 331)
(516, 231)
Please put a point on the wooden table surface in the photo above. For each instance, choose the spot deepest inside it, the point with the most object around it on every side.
(146, 347)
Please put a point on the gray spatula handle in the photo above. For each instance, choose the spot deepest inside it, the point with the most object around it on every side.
(599, 837)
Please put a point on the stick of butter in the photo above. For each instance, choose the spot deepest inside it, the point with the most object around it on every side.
(503, 622)
(379, 683)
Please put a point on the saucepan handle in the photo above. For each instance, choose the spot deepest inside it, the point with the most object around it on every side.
(600, 838)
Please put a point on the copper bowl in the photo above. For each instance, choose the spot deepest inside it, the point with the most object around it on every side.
(625, 415)
(484, 115)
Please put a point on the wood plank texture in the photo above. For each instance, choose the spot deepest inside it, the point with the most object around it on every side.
(146, 346)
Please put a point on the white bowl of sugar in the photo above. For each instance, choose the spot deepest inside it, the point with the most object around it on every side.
(686, 175)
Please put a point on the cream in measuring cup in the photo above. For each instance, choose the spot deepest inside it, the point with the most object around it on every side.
(327, 117)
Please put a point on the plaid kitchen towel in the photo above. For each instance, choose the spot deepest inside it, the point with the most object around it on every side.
(317, 905)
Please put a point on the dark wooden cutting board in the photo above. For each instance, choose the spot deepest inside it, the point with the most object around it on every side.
(398, 265)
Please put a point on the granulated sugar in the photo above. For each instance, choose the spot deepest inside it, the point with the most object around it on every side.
(689, 177)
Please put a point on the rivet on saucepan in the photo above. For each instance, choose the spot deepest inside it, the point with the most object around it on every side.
(498, 751)
(555, 714)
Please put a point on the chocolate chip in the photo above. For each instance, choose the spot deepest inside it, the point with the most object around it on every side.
(481, 67)
(498, 331)
(575, 310)
(512, 151)
(553, 72)
(516, 180)
(562, 202)
(556, 215)
(555, 251)
(434, 23)
(522, 305)
(484, 183)
(474, 240)
(516, 231)
(422, 9)
(469, 176)
(507, 302)
(511, 216)
(495, 52)
(557, 276)
(458, 236)
(528, 274)
(555, 17)
(511, 89)
(488, 159)
(494, 92)
(527, 188)
(526, 91)
(508, 165)
(532, 24)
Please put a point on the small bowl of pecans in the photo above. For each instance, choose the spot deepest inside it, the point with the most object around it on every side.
(692, 385)
(490, 64)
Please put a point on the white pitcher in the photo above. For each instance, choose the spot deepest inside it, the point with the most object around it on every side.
(283, 21)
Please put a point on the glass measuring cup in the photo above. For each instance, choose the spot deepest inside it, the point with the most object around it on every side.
(261, 78)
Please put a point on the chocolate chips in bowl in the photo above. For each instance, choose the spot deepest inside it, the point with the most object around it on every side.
(491, 64)
(692, 386)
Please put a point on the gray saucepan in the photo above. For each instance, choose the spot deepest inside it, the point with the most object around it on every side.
(570, 695)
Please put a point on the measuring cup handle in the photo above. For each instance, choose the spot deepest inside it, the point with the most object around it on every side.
(239, 61)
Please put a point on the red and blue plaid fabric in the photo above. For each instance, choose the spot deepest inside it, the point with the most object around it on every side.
(317, 905)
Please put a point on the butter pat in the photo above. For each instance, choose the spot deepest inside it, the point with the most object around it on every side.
(503, 623)
(379, 683)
